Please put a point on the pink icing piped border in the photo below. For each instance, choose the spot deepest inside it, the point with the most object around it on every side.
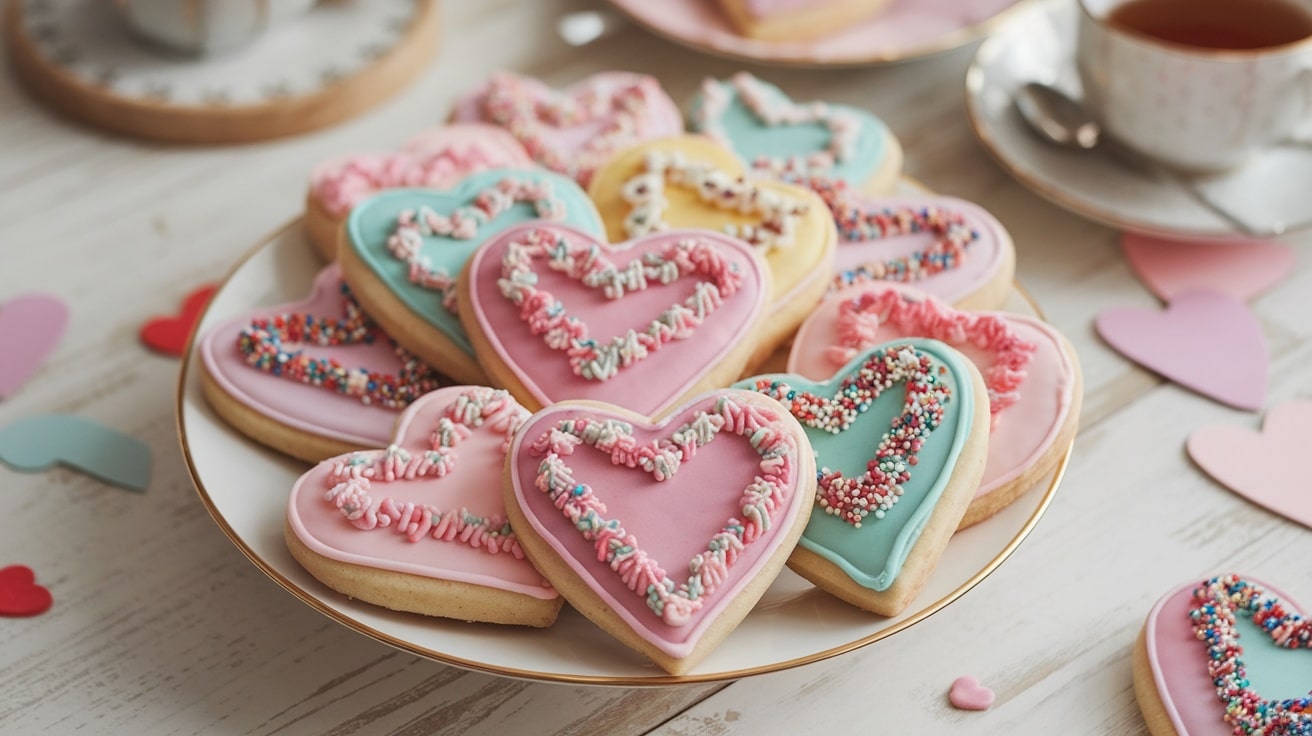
(437, 158)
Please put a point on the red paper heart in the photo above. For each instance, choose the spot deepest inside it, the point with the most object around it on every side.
(169, 335)
(19, 593)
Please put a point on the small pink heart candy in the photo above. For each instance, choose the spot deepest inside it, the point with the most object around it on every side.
(968, 694)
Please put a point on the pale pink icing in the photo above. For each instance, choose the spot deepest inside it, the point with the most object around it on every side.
(648, 385)
(983, 258)
(472, 483)
(568, 142)
(761, 8)
(674, 518)
(437, 158)
(306, 408)
(1187, 693)
(1024, 430)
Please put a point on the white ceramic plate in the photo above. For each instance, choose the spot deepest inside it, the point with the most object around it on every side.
(907, 29)
(245, 488)
(1037, 44)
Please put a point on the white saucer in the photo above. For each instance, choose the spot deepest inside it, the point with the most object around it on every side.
(1037, 45)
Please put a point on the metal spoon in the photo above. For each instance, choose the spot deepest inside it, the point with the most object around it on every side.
(1060, 120)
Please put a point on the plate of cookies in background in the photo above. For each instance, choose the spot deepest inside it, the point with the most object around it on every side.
(558, 391)
(814, 33)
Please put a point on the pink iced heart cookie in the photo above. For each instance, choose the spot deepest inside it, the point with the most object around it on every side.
(664, 532)
(1030, 370)
(1206, 341)
(1266, 467)
(573, 132)
(435, 159)
(1225, 656)
(420, 526)
(692, 182)
(312, 379)
(948, 247)
(555, 313)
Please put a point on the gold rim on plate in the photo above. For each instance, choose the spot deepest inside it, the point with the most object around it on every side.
(616, 680)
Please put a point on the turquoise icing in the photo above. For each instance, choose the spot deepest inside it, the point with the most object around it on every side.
(752, 138)
(374, 220)
(1274, 673)
(874, 554)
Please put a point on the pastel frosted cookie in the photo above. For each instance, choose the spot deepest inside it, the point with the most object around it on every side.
(779, 137)
(796, 20)
(420, 526)
(311, 379)
(900, 436)
(404, 250)
(1225, 656)
(663, 532)
(945, 246)
(435, 159)
(574, 131)
(555, 313)
(1030, 370)
(692, 182)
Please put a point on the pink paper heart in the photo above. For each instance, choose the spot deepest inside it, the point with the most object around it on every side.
(31, 326)
(1242, 268)
(664, 371)
(968, 694)
(704, 504)
(575, 131)
(439, 512)
(1265, 467)
(320, 410)
(1206, 341)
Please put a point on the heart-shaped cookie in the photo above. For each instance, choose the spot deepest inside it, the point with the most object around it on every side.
(1266, 467)
(1225, 656)
(169, 335)
(404, 250)
(435, 159)
(311, 379)
(573, 132)
(692, 182)
(900, 435)
(420, 526)
(1180, 343)
(664, 532)
(777, 136)
(31, 326)
(948, 247)
(1030, 370)
(557, 314)
(19, 593)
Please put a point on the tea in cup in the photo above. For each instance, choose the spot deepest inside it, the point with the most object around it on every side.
(1198, 85)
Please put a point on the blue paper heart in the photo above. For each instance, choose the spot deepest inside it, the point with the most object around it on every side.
(373, 221)
(752, 138)
(36, 443)
(873, 554)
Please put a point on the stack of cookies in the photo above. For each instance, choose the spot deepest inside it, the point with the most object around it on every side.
(535, 368)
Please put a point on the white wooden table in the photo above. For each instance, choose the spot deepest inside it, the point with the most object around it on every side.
(160, 625)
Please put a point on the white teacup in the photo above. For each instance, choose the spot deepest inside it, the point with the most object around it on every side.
(207, 26)
(1191, 108)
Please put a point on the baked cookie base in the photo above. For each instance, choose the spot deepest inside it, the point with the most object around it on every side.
(802, 24)
(400, 591)
(1145, 690)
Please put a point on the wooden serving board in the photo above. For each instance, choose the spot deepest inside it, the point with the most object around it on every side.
(338, 60)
